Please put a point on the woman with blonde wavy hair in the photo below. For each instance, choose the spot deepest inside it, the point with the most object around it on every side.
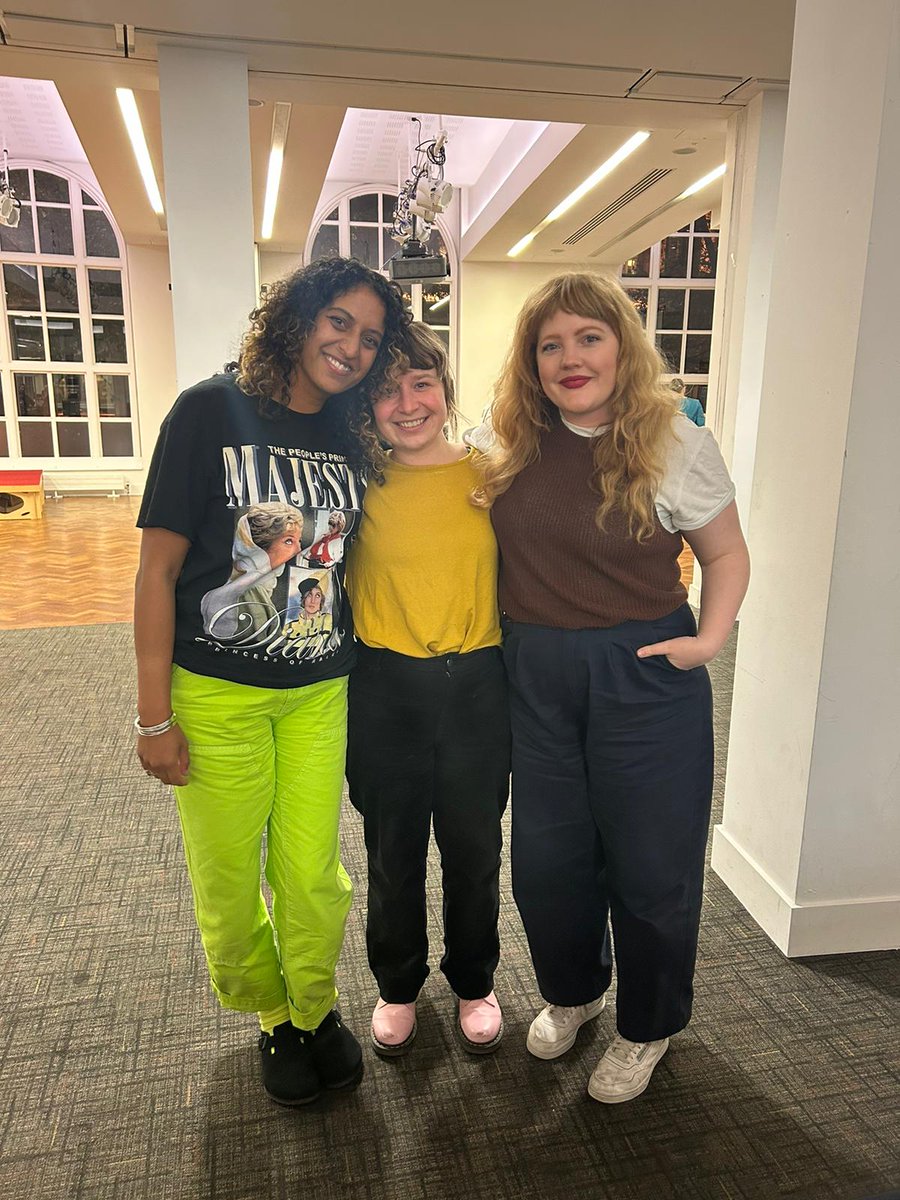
(593, 480)
(241, 710)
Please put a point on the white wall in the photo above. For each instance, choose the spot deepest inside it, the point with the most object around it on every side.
(154, 345)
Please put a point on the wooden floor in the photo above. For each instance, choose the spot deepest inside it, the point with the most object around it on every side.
(77, 565)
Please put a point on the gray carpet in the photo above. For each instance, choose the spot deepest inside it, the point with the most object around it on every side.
(122, 1080)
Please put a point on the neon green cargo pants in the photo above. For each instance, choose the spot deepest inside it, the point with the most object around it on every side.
(266, 761)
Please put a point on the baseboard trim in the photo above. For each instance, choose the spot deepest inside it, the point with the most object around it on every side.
(800, 930)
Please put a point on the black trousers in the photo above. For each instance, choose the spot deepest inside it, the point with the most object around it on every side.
(429, 741)
(612, 784)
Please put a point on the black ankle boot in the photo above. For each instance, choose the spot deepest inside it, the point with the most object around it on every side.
(336, 1053)
(288, 1070)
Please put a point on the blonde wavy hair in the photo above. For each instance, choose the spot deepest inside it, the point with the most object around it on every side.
(418, 348)
(630, 459)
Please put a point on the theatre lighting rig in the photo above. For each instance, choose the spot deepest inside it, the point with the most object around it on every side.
(421, 199)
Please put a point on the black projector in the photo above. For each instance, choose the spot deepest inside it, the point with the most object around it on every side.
(415, 264)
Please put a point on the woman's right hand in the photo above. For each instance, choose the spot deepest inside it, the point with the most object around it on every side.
(166, 757)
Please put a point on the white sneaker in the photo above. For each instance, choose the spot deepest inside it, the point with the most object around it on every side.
(554, 1029)
(625, 1069)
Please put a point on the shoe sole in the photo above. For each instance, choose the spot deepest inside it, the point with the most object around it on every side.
(633, 1094)
(540, 1050)
(387, 1050)
(291, 1103)
(480, 1047)
(351, 1082)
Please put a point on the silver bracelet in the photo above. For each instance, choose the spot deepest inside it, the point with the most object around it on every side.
(154, 730)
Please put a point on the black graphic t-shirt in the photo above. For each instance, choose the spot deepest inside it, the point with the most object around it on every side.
(268, 506)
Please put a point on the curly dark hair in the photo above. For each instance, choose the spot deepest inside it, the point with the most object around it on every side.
(281, 323)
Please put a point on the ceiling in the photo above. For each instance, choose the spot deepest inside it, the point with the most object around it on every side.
(532, 106)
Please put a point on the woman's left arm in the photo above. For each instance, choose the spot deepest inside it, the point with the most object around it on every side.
(723, 557)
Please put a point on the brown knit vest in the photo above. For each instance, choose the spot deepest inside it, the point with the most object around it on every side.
(557, 568)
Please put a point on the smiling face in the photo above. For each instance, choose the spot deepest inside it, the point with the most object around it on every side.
(410, 415)
(576, 365)
(339, 350)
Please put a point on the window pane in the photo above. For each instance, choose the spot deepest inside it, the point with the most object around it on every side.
(2, 409)
(388, 204)
(638, 297)
(388, 247)
(365, 244)
(106, 291)
(326, 243)
(669, 345)
(60, 289)
(74, 439)
(86, 198)
(673, 257)
(32, 396)
(638, 267)
(699, 392)
(436, 303)
(444, 335)
(64, 334)
(333, 215)
(700, 309)
(115, 439)
(55, 230)
(21, 286)
(69, 399)
(670, 309)
(701, 225)
(364, 208)
(36, 439)
(113, 396)
(4, 441)
(26, 337)
(696, 358)
(99, 237)
(109, 341)
(51, 187)
(436, 245)
(21, 239)
(19, 183)
(703, 260)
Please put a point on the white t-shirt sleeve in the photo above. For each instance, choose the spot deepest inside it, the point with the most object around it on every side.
(696, 486)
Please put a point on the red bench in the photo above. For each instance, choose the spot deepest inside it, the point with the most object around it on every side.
(21, 495)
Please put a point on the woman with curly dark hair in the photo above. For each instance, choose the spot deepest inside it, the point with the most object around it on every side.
(257, 747)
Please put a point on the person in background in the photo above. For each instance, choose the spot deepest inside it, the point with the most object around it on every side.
(429, 720)
(593, 479)
(244, 717)
(690, 406)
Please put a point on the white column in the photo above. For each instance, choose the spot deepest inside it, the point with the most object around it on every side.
(754, 148)
(209, 204)
(810, 836)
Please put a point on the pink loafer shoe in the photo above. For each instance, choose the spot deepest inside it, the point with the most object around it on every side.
(393, 1028)
(480, 1024)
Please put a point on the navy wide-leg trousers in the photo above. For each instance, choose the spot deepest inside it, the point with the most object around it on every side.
(612, 783)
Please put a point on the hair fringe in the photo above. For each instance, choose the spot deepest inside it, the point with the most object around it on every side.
(630, 460)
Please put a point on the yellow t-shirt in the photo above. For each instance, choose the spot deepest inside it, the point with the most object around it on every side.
(422, 575)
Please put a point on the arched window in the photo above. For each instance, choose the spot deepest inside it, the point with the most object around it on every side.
(66, 363)
(672, 285)
(359, 226)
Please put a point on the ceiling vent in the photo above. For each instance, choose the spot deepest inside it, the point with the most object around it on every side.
(626, 198)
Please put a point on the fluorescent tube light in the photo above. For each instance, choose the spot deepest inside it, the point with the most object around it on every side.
(701, 183)
(592, 180)
(128, 105)
(439, 303)
(281, 119)
(522, 243)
